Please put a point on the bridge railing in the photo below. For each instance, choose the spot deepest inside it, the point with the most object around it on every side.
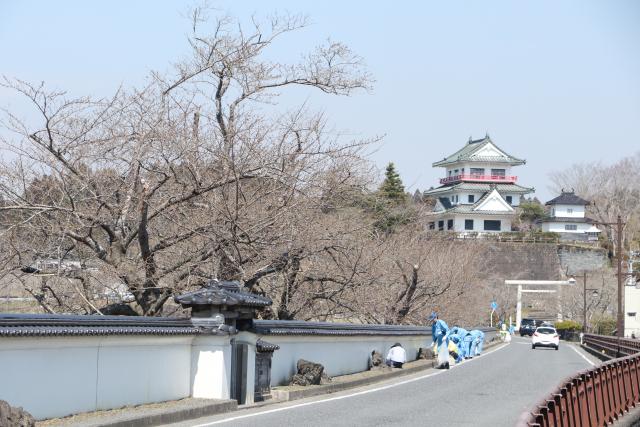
(595, 397)
(612, 346)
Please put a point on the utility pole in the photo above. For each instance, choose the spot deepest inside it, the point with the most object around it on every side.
(620, 322)
(584, 300)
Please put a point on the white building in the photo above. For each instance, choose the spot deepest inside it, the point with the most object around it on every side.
(632, 299)
(479, 192)
(567, 216)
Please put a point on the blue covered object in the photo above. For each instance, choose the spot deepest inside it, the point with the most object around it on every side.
(477, 340)
(457, 334)
(439, 330)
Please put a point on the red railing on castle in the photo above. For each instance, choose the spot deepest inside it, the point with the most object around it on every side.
(596, 397)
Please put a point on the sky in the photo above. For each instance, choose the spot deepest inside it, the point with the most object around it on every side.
(554, 82)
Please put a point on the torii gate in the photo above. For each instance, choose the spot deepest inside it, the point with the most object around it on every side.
(520, 283)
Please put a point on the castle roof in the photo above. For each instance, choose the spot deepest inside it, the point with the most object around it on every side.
(491, 203)
(480, 150)
(479, 187)
(568, 198)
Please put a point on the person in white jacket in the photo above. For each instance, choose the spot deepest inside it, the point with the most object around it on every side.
(396, 356)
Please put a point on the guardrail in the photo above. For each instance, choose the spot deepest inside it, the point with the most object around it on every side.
(612, 346)
(595, 397)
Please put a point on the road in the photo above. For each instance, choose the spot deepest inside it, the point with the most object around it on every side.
(490, 390)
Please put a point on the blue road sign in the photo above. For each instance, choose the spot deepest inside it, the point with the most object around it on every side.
(494, 306)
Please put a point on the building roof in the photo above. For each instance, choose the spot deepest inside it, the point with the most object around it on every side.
(566, 219)
(21, 325)
(473, 152)
(473, 209)
(479, 187)
(568, 198)
(294, 327)
(445, 202)
(263, 346)
(226, 293)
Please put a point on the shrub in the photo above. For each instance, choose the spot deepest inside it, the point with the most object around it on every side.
(603, 326)
(568, 325)
(568, 329)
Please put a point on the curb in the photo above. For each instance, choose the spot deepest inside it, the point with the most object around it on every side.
(149, 417)
(601, 356)
(286, 395)
(173, 416)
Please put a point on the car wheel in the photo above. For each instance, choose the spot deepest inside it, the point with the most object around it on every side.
(557, 347)
(533, 346)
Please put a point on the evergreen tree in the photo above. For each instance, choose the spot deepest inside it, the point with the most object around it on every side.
(392, 187)
(531, 211)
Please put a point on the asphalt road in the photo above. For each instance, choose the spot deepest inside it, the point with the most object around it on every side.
(490, 390)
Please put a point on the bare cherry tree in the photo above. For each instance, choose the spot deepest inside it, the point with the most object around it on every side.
(196, 175)
(612, 189)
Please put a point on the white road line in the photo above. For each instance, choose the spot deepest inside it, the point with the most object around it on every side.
(271, 411)
(583, 356)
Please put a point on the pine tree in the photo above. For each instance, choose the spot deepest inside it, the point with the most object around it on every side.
(392, 187)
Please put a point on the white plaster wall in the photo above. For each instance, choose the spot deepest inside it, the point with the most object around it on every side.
(563, 211)
(487, 167)
(631, 305)
(210, 367)
(135, 370)
(478, 223)
(54, 377)
(339, 355)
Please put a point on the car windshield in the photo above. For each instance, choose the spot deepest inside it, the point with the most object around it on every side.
(528, 322)
(547, 331)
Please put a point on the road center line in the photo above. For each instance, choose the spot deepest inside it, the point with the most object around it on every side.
(583, 356)
(373, 390)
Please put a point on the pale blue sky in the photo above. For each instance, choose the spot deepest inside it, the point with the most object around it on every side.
(555, 82)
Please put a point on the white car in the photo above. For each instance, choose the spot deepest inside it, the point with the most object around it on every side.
(545, 336)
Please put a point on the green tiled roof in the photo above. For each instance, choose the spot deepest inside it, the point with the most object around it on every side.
(468, 208)
(465, 153)
(480, 187)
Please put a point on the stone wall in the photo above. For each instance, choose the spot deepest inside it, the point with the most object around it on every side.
(538, 261)
(509, 261)
(576, 259)
(534, 261)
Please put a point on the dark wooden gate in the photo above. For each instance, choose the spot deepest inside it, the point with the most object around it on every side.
(239, 354)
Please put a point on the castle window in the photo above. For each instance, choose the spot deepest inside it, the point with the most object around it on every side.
(468, 224)
(492, 225)
(509, 199)
(472, 198)
(570, 227)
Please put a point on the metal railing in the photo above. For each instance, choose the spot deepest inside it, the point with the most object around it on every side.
(479, 178)
(612, 346)
(595, 397)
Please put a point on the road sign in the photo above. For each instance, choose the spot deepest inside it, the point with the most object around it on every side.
(494, 306)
